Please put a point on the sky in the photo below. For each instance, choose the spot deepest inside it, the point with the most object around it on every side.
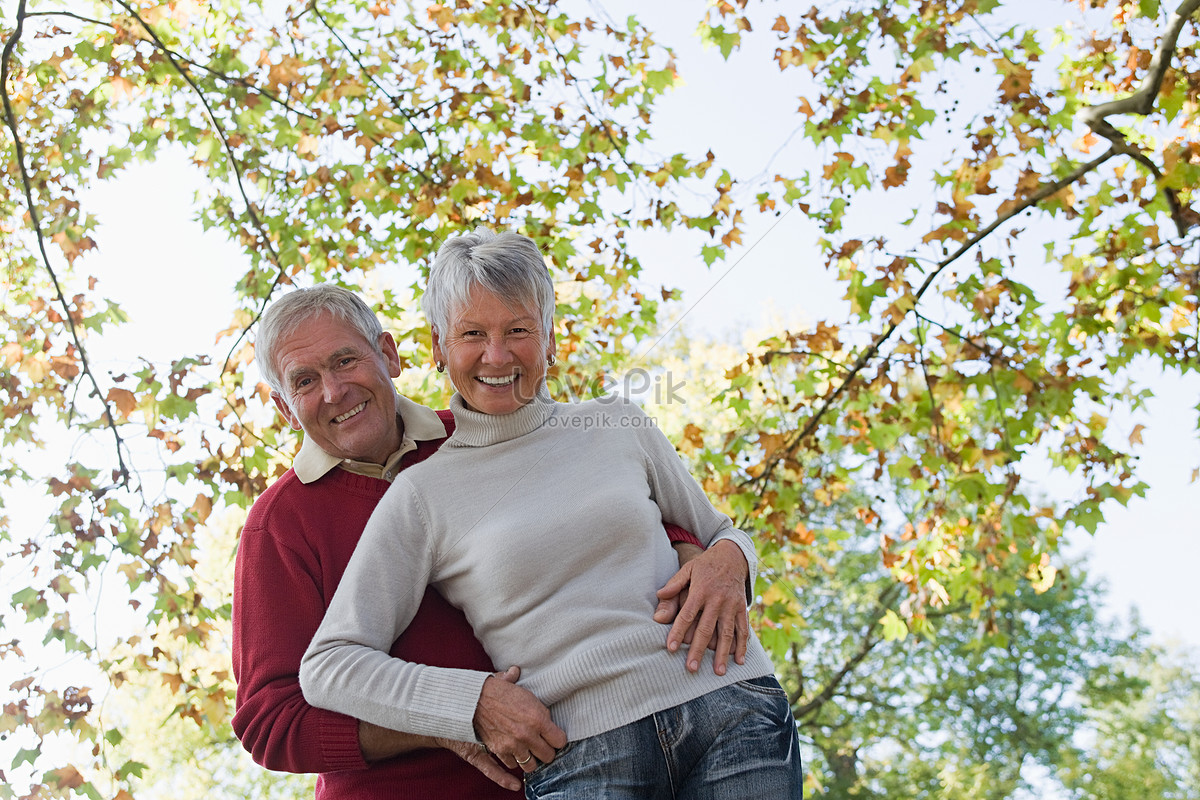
(1146, 553)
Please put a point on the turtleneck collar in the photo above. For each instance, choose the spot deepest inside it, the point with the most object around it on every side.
(474, 429)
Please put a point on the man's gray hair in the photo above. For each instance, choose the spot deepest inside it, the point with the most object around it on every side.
(288, 313)
(508, 265)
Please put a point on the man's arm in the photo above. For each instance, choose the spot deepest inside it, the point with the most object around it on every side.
(277, 607)
(379, 744)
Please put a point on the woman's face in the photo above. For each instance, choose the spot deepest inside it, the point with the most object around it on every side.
(495, 352)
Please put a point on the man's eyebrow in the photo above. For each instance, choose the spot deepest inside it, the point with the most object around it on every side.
(297, 372)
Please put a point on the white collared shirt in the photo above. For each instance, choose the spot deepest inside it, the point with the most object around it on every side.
(421, 424)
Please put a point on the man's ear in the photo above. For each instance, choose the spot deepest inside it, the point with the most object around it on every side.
(286, 412)
(387, 346)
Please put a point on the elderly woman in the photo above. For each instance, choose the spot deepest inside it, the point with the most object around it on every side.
(543, 522)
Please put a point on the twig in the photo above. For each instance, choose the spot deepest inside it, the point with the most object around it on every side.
(237, 174)
(394, 100)
(872, 350)
(1142, 102)
(232, 79)
(870, 638)
(35, 222)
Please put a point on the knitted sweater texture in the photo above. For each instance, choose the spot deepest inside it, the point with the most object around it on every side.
(545, 527)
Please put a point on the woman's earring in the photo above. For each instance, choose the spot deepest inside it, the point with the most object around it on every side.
(441, 367)
(550, 359)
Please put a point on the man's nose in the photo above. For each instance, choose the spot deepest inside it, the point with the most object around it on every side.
(333, 387)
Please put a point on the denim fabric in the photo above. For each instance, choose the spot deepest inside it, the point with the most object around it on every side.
(735, 743)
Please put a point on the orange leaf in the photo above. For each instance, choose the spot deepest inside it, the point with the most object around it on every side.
(123, 399)
(1136, 436)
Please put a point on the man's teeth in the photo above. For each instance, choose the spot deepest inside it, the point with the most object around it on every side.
(350, 413)
(507, 379)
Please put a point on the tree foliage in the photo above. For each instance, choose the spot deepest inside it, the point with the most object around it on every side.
(1009, 208)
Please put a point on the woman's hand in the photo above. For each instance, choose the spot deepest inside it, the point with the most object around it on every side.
(514, 725)
(709, 591)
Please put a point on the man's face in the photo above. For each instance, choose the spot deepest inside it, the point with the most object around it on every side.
(338, 389)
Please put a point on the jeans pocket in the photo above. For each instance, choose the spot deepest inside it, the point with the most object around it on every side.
(766, 685)
(559, 753)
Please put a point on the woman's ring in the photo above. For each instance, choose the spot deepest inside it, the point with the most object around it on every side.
(526, 761)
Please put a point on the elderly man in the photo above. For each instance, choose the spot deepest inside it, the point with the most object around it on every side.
(330, 367)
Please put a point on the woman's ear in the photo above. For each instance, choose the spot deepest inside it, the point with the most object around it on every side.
(438, 355)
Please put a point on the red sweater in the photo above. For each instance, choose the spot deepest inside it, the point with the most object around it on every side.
(294, 548)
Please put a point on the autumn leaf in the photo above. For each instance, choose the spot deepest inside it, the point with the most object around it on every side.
(123, 399)
(1135, 436)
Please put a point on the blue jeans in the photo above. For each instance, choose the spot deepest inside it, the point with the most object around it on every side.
(735, 743)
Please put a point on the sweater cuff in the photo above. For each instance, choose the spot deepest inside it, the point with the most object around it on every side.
(339, 742)
(678, 535)
(445, 701)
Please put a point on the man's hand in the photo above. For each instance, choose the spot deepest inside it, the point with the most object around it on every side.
(378, 743)
(515, 725)
(709, 592)
(478, 757)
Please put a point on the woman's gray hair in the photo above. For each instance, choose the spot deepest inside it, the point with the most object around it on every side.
(508, 265)
(288, 313)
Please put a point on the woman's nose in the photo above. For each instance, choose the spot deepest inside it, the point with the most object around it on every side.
(496, 351)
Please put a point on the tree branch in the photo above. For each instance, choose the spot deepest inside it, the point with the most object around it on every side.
(870, 638)
(617, 148)
(1142, 102)
(10, 118)
(227, 78)
(395, 101)
(234, 165)
(1047, 190)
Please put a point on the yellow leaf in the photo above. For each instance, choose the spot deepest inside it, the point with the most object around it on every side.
(1136, 436)
(11, 353)
(202, 507)
(37, 367)
(121, 87)
(65, 777)
(1085, 143)
(1041, 575)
